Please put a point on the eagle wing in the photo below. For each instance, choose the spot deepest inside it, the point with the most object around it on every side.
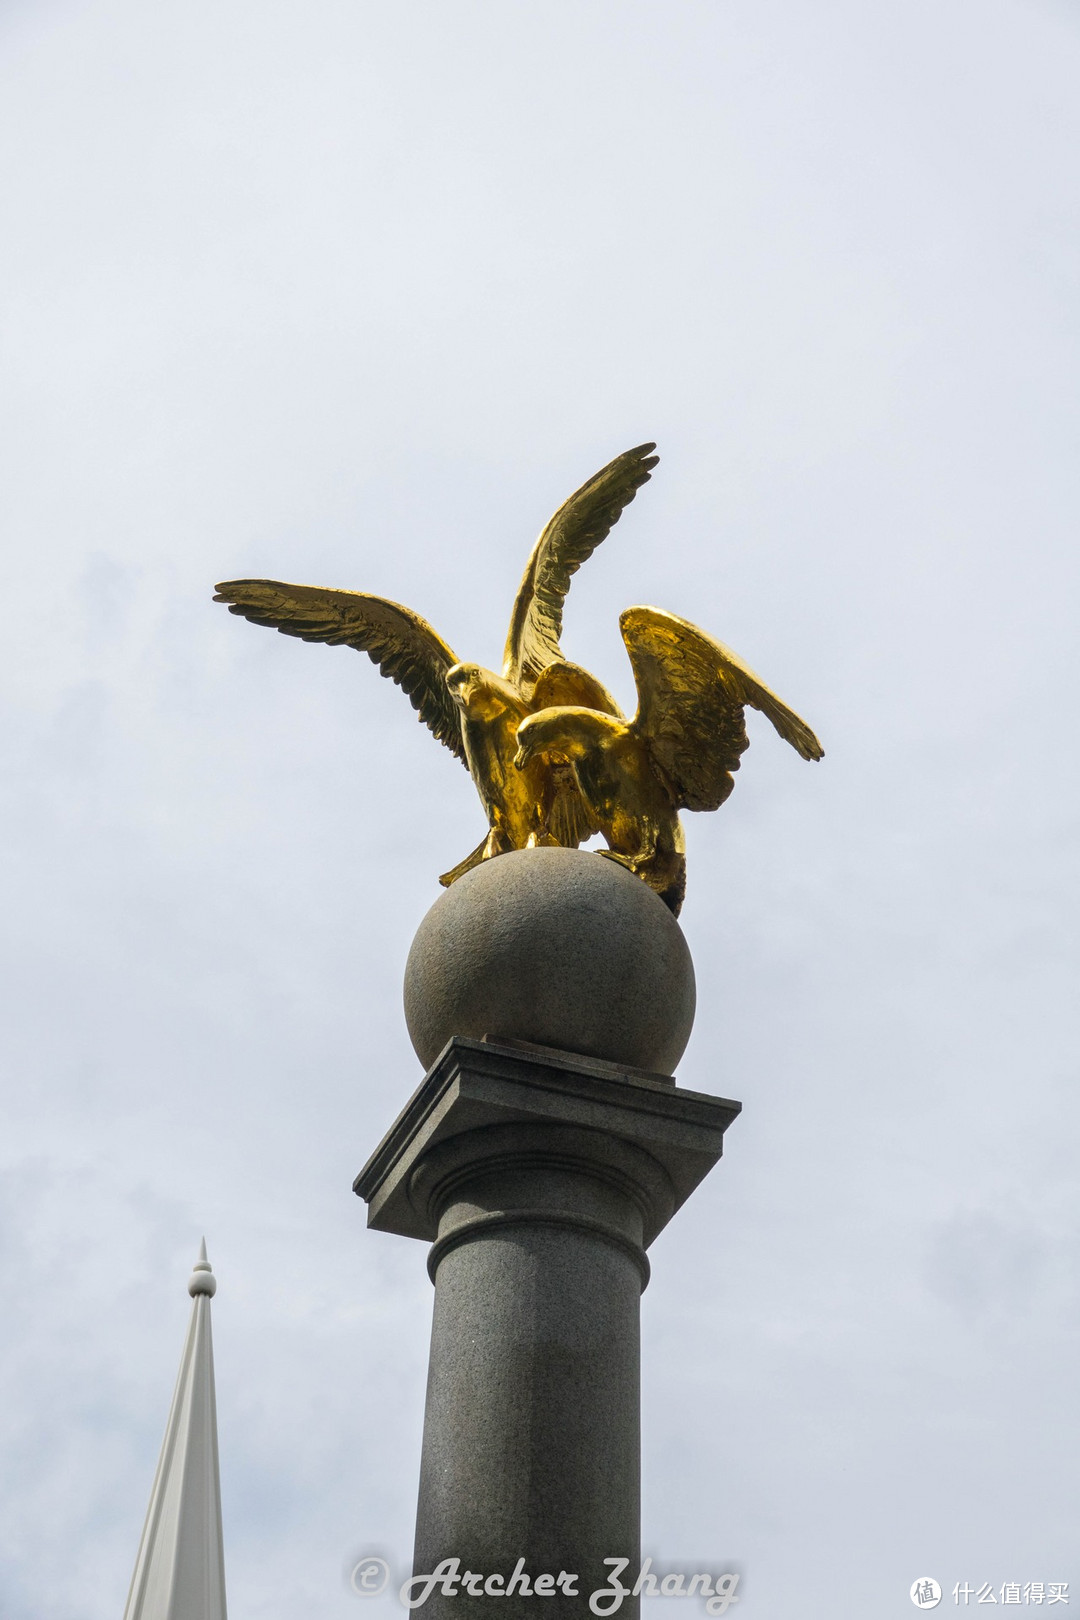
(400, 642)
(569, 539)
(692, 691)
(568, 686)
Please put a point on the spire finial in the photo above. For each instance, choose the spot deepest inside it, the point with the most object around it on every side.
(202, 1280)
(179, 1570)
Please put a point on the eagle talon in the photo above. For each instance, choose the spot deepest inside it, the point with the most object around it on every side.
(623, 860)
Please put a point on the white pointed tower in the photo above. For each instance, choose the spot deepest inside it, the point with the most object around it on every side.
(180, 1568)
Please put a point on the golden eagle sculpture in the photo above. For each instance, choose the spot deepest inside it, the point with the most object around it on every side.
(553, 758)
(677, 753)
(475, 712)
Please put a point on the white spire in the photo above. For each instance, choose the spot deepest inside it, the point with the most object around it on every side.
(180, 1568)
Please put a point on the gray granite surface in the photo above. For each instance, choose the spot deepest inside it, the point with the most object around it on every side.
(541, 1176)
(555, 946)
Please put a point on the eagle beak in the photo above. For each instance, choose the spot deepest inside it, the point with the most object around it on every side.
(521, 759)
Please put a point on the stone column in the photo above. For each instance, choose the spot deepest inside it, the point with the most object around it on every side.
(531, 1442)
(539, 1176)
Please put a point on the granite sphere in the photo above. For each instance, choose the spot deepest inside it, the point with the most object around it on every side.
(557, 946)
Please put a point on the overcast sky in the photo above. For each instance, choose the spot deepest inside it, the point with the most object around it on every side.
(356, 294)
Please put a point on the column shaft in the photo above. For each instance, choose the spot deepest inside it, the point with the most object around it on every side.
(531, 1430)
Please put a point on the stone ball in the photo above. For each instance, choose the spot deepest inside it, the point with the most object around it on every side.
(561, 947)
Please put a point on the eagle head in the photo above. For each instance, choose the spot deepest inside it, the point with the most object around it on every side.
(481, 694)
(567, 732)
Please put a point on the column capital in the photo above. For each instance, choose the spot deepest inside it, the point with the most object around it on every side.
(623, 1123)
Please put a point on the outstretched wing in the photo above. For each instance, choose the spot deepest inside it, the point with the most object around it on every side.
(400, 642)
(570, 539)
(692, 691)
